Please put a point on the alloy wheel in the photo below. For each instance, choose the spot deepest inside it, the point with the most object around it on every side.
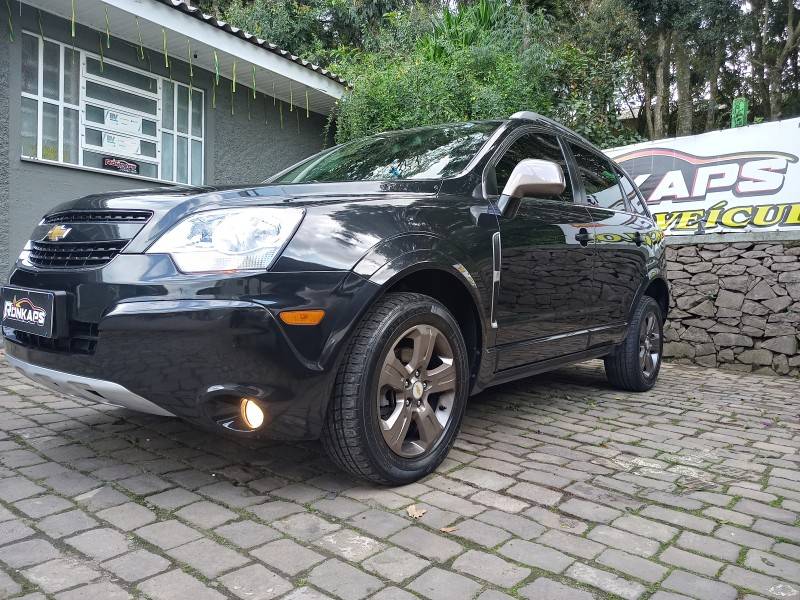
(416, 391)
(649, 345)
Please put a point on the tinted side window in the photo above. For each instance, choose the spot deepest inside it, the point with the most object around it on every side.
(532, 145)
(634, 200)
(600, 180)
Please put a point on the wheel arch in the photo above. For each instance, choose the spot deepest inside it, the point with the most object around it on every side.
(658, 289)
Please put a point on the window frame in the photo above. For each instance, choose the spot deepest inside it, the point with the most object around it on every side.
(614, 168)
(83, 100)
(512, 138)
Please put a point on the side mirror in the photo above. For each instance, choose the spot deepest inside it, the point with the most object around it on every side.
(532, 177)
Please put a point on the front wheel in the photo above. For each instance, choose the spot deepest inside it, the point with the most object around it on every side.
(400, 392)
(634, 364)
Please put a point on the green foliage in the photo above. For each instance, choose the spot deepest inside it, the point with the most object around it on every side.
(481, 61)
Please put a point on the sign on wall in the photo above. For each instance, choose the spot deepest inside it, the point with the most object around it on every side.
(745, 179)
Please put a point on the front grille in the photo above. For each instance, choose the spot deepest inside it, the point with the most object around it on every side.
(82, 339)
(100, 216)
(72, 255)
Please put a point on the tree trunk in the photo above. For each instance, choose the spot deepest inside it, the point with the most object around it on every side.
(683, 79)
(661, 116)
(713, 94)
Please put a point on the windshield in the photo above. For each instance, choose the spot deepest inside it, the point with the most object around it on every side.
(423, 153)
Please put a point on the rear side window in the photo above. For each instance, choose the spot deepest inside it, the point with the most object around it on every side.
(600, 180)
(635, 203)
(531, 145)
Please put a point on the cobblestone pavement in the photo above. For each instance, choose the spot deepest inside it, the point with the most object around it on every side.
(559, 488)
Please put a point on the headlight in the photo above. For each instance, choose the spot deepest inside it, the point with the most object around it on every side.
(236, 239)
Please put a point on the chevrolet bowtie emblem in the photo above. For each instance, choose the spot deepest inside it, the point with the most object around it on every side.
(58, 233)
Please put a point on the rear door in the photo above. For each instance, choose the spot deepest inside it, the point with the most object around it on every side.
(620, 236)
(545, 278)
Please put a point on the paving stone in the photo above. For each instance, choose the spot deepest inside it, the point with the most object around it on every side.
(339, 507)
(287, 556)
(679, 519)
(763, 584)
(452, 503)
(66, 523)
(307, 593)
(646, 528)
(624, 540)
(393, 593)
(395, 564)
(379, 523)
(480, 533)
(167, 534)
(698, 587)
(136, 565)
(536, 555)
(272, 511)
(343, 580)
(771, 564)
(41, 506)
(434, 518)
(60, 574)
(100, 544)
(494, 595)
(424, 543)
(608, 582)
(634, 566)
(255, 582)
(691, 562)
(206, 515)
(247, 534)
(232, 495)
(11, 531)
(516, 524)
(704, 544)
(306, 527)
(177, 585)
(127, 516)
(547, 589)
(571, 544)
(589, 511)
(349, 545)
(100, 498)
(483, 479)
(744, 537)
(208, 557)
(144, 485)
(27, 553)
(781, 530)
(9, 587)
(499, 501)
(437, 584)
(758, 509)
(534, 493)
(17, 488)
(490, 568)
(104, 590)
(172, 499)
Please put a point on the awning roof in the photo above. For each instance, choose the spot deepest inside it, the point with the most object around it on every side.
(277, 70)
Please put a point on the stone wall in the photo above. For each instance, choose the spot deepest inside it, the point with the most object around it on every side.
(735, 305)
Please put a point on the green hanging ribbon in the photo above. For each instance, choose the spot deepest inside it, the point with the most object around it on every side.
(108, 30)
(233, 81)
(72, 23)
(141, 43)
(39, 19)
(307, 115)
(216, 68)
(166, 53)
(10, 22)
(254, 82)
(102, 57)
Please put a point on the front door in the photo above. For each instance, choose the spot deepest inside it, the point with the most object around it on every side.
(547, 258)
(621, 238)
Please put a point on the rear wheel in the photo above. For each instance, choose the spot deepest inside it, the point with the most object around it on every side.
(634, 365)
(400, 393)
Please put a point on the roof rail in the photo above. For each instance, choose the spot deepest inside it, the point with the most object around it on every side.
(528, 115)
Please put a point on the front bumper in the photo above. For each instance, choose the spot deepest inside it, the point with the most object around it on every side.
(183, 345)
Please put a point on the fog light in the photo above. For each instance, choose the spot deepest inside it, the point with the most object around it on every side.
(252, 415)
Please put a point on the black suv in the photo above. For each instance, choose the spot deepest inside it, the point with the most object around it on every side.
(359, 297)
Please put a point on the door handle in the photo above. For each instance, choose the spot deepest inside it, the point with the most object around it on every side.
(637, 238)
(583, 236)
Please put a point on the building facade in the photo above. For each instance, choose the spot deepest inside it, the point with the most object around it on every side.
(126, 94)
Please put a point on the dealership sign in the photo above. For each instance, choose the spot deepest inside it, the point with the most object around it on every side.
(745, 179)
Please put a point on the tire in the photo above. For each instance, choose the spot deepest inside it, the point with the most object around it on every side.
(625, 368)
(374, 402)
